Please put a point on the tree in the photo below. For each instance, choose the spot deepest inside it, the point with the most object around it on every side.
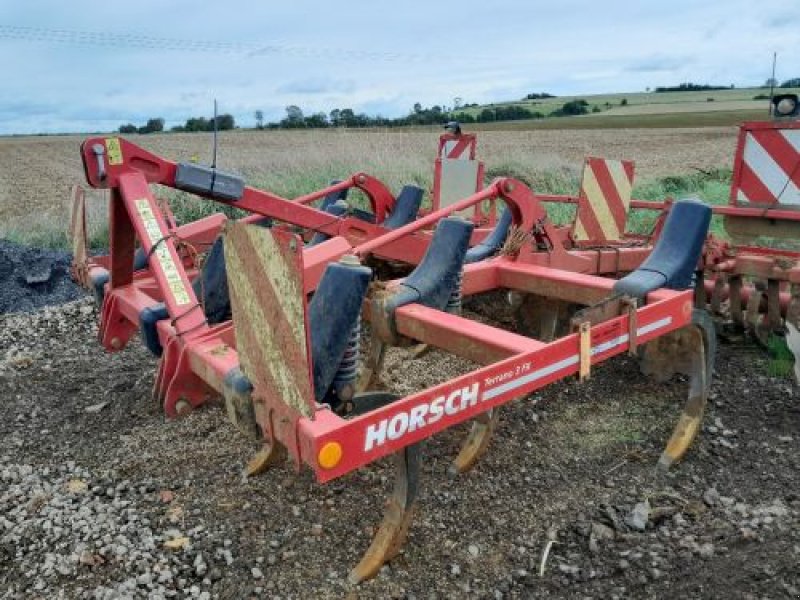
(152, 126)
(790, 83)
(129, 128)
(319, 119)
(294, 117)
(347, 117)
(259, 119)
(336, 117)
(197, 124)
(417, 108)
(576, 107)
(771, 82)
(224, 122)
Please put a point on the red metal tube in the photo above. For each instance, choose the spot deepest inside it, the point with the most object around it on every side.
(490, 192)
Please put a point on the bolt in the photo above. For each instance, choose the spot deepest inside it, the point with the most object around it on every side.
(362, 179)
(350, 260)
(293, 244)
(509, 187)
(182, 407)
(116, 343)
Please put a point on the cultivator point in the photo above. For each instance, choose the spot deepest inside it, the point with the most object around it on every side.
(271, 319)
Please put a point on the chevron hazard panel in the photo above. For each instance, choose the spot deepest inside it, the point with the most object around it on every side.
(604, 200)
(265, 270)
(767, 169)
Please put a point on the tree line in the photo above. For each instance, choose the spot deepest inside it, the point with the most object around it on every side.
(224, 122)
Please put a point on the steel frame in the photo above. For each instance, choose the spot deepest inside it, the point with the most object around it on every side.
(197, 357)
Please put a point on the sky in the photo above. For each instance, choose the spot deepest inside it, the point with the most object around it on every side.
(89, 65)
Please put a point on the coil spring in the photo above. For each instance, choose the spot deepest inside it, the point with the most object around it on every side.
(348, 368)
(454, 302)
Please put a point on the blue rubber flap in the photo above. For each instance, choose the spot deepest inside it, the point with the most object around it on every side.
(674, 258)
(434, 279)
(406, 207)
(493, 242)
(332, 313)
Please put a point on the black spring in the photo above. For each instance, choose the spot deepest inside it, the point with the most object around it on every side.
(454, 302)
(348, 368)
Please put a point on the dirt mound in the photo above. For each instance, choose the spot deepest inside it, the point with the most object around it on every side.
(31, 278)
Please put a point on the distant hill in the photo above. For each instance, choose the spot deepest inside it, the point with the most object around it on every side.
(639, 109)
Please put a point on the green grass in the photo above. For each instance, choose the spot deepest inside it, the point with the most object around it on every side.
(711, 187)
(781, 359)
(667, 100)
(721, 118)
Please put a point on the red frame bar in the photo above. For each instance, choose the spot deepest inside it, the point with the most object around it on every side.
(386, 430)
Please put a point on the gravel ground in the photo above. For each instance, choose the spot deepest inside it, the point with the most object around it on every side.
(101, 497)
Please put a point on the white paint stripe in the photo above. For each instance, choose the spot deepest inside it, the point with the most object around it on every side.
(616, 168)
(525, 379)
(449, 146)
(793, 137)
(571, 360)
(741, 196)
(770, 173)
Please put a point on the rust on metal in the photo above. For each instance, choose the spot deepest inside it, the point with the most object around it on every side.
(268, 306)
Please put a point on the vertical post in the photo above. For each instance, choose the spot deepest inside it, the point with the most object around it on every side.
(121, 241)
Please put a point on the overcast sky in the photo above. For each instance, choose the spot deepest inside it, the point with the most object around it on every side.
(92, 65)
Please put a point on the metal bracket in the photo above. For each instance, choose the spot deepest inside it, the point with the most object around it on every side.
(584, 350)
(630, 305)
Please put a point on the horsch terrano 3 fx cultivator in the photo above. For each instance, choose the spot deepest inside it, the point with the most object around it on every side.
(287, 366)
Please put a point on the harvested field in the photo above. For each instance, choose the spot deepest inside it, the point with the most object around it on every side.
(36, 172)
(102, 497)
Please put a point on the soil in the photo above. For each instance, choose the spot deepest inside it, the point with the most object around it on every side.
(31, 278)
(572, 465)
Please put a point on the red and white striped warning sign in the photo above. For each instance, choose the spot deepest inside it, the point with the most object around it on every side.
(457, 147)
(767, 165)
(604, 200)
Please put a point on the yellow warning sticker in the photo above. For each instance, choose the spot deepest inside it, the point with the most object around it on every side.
(161, 252)
(114, 151)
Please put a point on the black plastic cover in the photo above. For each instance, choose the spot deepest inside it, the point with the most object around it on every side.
(208, 181)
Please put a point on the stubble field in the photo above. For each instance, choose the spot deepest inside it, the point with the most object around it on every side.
(37, 172)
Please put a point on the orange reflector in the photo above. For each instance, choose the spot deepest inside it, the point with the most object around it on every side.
(329, 455)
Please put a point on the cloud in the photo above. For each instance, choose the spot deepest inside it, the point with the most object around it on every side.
(317, 86)
(658, 64)
(783, 19)
(174, 66)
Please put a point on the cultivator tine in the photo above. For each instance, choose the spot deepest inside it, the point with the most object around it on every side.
(774, 319)
(393, 530)
(538, 317)
(270, 454)
(716, 295)
(477, 441)
(752, 316)
(735, 290)
(700, 296)
(792, 323)
(689, 351)
(373, 363)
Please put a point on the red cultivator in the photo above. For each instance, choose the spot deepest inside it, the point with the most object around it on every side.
(241, 326)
